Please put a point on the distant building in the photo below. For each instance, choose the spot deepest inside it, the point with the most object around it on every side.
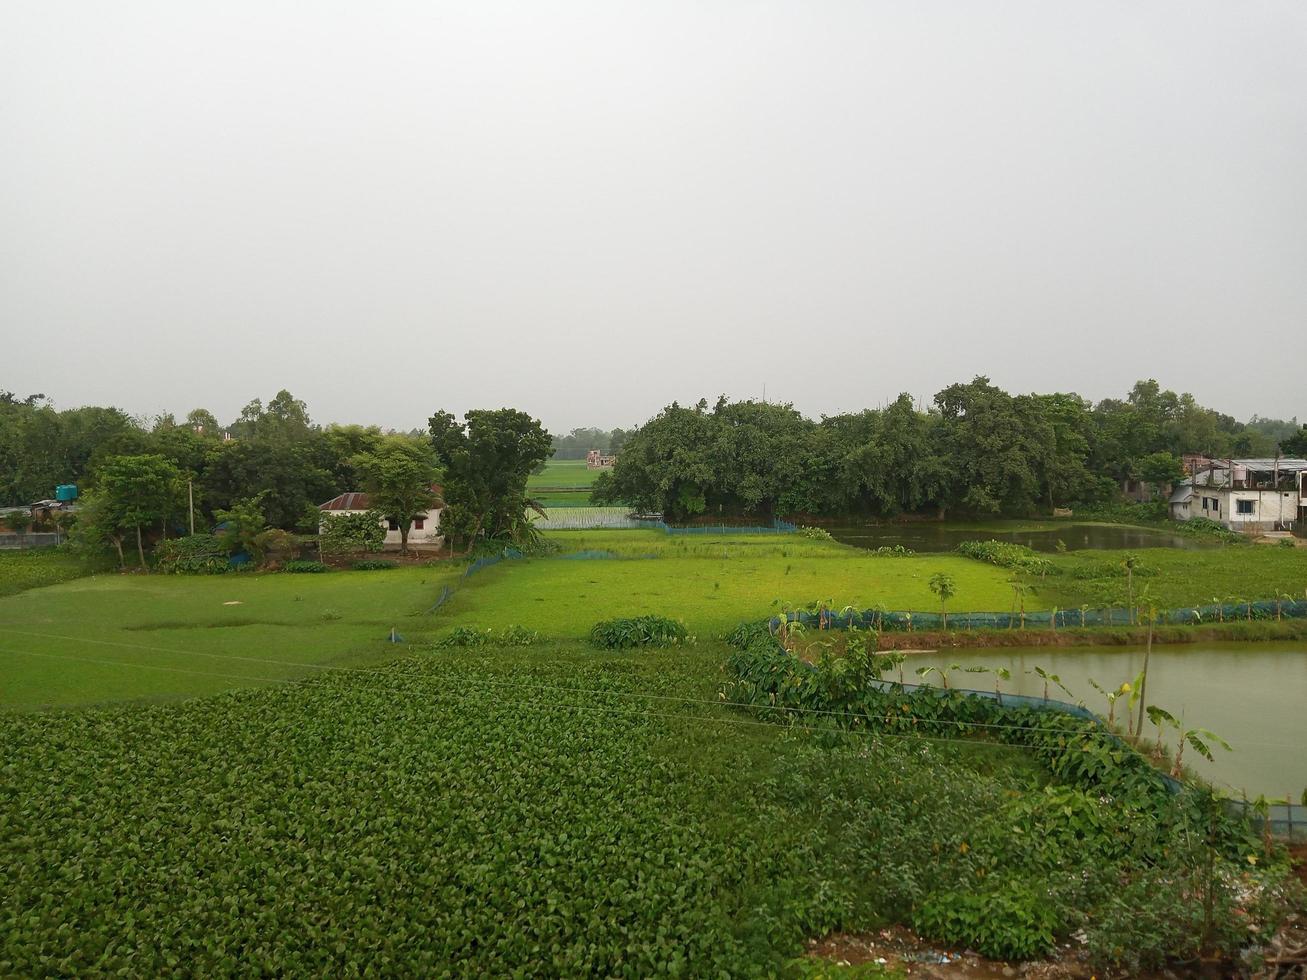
(426, 526)
(595, 460)
(1248, 495)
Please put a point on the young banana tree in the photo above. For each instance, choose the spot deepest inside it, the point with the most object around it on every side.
(925, 672)
(1135, 689)
(943, 585)
(1112, 697)
(1200, 738)
(1055, 679)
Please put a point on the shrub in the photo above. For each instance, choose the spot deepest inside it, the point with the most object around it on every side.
(816, 533)
(893, 551)
(1205, 527)
(1009, 920)
(471, 636)
(302, 566)
(340, 534)
(1006, 554)
(638, 631)
(374, 565)
(196, 554)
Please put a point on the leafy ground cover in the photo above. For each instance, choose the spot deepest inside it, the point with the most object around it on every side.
(22, 570)
(1174, 578)
(459, 813)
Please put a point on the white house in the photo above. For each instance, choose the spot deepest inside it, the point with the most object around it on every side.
(1249, 495)
(425, 531)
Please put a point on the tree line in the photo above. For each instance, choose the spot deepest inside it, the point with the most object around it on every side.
(264, 475)
(976, 449)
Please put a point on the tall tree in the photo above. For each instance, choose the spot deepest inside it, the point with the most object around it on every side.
(138, 492)
(397, 476)
(486, 461)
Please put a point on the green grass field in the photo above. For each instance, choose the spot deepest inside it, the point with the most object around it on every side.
(710, 583)
(1174, 578)
(562, 483)
(112, 637)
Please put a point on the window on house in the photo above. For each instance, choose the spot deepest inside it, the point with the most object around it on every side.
(1244, 506)
(419, 523)
(394, 524)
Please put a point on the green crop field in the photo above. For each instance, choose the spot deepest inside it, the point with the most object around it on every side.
(711, 584)
(1172, 578)
(563, 473)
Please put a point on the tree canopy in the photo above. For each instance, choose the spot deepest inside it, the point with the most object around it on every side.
(486, 460)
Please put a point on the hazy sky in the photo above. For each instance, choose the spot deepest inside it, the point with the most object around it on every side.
(587, 210)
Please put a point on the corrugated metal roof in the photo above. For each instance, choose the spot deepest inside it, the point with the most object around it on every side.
(360, 501)
(1286, 465)
(1182, 494)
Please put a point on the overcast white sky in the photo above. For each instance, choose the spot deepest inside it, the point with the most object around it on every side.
(589, 209)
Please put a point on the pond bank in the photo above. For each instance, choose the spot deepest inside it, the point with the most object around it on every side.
(1256, 631)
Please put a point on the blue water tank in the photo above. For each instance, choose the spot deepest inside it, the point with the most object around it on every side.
(65, 492)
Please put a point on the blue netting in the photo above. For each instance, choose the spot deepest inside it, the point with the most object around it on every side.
(895, 621)
(486, 562)
(1286, 819)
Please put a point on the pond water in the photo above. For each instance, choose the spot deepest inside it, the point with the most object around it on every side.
(939, 537)
(1253, 695)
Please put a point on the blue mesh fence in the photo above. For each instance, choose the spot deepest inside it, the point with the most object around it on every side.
(897, 621)
(1287, 819)
(486, 562)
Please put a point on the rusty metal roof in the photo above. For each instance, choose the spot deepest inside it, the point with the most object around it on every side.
(354, 500)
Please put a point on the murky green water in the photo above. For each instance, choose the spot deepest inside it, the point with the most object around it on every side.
(929, 537)
(1254, 695)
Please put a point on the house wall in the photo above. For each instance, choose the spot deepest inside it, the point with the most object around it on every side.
(1269, 508)
(429, 535)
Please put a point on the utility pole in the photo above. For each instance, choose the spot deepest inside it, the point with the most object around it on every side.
(190, 503)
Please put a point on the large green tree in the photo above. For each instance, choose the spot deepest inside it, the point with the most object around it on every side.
(486, 460)
(397, 476)
(133, 493)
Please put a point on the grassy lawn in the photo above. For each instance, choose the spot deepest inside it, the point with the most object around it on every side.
(712, 583)
(113, 637)
(1176, 578)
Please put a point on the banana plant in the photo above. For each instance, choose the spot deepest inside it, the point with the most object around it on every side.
(1112, 697)
(1197, 737)
(924, 672)
(1055, 679)
(1130, 562)
(1000, 674)
(1135, 690)
(1280, 599)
